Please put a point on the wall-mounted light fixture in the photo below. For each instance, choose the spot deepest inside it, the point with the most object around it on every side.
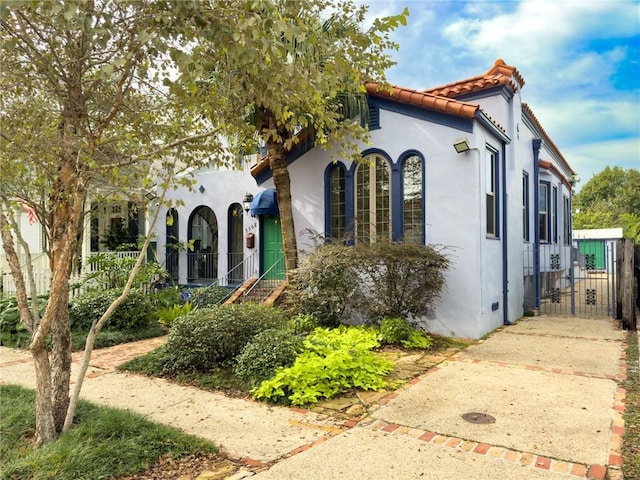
(201, 188)
(246, 202)
(461, 145)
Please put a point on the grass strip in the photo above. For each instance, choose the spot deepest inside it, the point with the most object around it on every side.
(104, 443)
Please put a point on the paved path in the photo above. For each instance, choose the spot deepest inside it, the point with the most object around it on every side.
(550, 383)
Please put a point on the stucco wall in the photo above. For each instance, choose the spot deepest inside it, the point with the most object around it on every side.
(221, 189)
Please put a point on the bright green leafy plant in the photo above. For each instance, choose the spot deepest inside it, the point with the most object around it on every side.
(167, 315)
(333, 361)
(397, 331)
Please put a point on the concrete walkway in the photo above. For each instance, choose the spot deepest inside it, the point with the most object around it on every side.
(549, 385)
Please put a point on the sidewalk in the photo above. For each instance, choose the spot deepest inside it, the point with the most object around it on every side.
(550, 383)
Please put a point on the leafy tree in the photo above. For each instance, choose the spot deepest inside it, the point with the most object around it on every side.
(83, 116)
(610, 199)
(293, 72)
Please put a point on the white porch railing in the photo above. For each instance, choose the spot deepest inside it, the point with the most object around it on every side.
(42, 275)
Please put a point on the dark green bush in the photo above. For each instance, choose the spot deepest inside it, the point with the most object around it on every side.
(12, 332)
(323, 285)
(136, 311)
(338, 283)
(209, 296)
(208, 338)
(265, 353)
(109, 338)
(398, 279)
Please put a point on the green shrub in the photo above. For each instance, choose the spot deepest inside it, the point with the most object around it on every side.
(397, 331)
(338, 283)
(398, 279)
(333, 361)
(418, 340)
(109, 338)
(265, 353)
(12, 332)
(166, 297)
(136, 311)
(167, 315)
(394, 330)
(304, 323)
(111, 271)
(208, 338)
(323, 284)
(209, 296)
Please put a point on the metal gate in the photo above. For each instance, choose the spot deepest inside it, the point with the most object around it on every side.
(563, 280)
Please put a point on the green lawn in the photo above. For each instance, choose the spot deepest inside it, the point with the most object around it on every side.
(104, 443)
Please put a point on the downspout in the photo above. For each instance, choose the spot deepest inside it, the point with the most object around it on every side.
(482, 238)
(505, 249)
(536, 143)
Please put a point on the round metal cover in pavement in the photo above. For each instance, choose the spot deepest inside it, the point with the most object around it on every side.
(476, 417)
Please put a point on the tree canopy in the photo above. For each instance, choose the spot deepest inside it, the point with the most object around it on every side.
(105, 98)
(84, 116)
(285, 72)
(610, 199)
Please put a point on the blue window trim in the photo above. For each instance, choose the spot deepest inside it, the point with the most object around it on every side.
(566, 218)
(536, 143)
(348, 186)
(554, 213)
(397, 192)
(392, 180)
(548, 185)
(402, 159)
(497, 194)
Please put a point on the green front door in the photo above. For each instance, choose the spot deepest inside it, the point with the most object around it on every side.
(272, 252)
(593, 251)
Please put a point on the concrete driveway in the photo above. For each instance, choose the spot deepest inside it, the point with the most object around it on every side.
(550, 383)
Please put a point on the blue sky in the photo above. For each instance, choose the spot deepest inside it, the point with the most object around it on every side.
(580, 60)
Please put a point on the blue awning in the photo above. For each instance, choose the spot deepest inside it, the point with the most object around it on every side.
(265, 203)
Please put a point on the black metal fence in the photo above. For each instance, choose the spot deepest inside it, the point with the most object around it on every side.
(564, 280)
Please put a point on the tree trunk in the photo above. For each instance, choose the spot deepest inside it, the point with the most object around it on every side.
(61, 360)
(282, 182)
(45, 424)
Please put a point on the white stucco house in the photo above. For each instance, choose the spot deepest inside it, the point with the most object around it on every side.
(465, 165)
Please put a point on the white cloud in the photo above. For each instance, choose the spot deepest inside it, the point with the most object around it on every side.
(587, 121)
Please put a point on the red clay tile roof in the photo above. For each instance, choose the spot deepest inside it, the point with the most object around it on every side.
(425, 100)
(545, 165)
(430, 101)
(499, 74)
(527, 111)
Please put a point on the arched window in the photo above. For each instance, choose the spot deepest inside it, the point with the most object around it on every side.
(236, 248)
(412, 200)
(338, 203)
(203, 234)
(172, 243)
(373, 199)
